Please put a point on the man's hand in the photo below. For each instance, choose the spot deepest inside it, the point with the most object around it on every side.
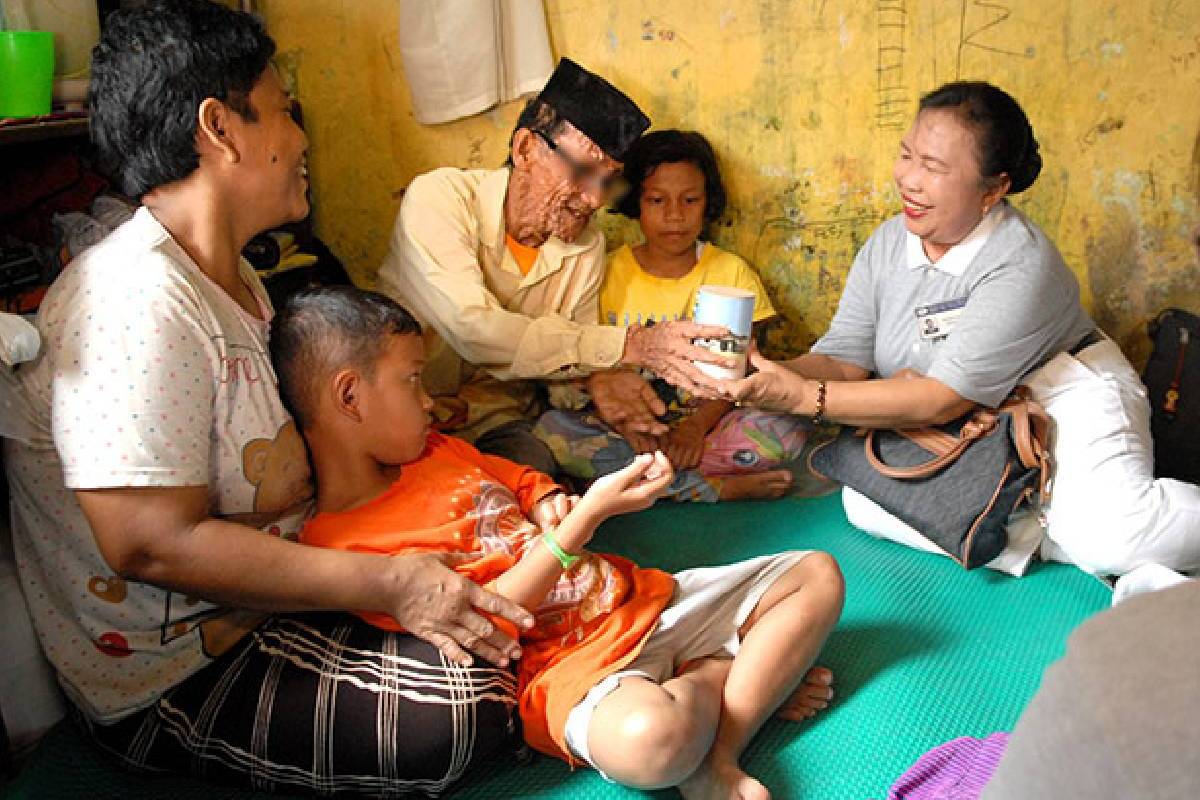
(667, 350)
(552, 509)
(442, 607)
(629, 405)
(641, 443)
(685, 443)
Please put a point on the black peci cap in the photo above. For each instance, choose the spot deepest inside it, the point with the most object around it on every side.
(600, 111)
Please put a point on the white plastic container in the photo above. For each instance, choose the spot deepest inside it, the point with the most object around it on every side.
(734, 309)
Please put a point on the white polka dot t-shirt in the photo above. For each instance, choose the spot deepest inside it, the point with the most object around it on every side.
(150, 376)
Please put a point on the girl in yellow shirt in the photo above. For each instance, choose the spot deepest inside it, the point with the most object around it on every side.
(719, 452)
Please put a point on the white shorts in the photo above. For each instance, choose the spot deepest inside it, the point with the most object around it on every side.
(709, 606)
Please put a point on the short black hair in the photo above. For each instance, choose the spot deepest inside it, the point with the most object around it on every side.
(671, 147)
(322, 329)
(153, 67)
(1002, 130)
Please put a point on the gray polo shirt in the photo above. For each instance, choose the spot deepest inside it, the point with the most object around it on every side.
(994, 307)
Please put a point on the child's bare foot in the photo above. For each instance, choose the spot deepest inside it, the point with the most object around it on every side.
(812, 695)
(759, 486)
(722, 781)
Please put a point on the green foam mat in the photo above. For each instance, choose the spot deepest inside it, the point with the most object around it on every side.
(925, 652)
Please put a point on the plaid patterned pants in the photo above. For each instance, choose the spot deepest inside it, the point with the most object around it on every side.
(322, 704)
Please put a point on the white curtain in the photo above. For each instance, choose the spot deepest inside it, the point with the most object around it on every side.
(462, 57)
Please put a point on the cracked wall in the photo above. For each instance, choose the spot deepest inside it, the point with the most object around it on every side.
(805, 101)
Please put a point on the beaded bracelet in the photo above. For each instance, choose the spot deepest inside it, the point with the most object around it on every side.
(819, 416)
(566, 559)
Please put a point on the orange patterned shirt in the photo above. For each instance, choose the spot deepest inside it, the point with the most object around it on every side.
(456, 499)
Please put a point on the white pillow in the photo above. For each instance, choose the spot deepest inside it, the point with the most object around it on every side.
(19, 340)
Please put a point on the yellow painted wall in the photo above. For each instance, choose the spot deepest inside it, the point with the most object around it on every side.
(805, 101)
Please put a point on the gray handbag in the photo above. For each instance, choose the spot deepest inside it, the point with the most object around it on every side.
(956, 484)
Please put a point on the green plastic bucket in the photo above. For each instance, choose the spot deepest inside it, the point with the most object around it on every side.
(26, 73)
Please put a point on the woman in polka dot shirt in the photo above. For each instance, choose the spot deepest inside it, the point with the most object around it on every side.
(156, 508)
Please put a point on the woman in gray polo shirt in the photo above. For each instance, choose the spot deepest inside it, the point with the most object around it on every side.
(960, 298)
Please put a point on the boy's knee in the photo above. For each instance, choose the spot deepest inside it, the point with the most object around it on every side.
(662, 747)
(823, 577)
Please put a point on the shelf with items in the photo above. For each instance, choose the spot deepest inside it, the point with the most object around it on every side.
(47, 173)
(54, 126)
(49, 214)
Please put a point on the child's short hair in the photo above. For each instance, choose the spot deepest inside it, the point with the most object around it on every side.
(325, 328)
(671, 147)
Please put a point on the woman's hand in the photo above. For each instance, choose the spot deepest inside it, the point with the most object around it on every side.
(772, 387)
(442, 607)
(633, 488)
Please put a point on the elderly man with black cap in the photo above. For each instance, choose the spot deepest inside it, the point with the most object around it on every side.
(506, 267)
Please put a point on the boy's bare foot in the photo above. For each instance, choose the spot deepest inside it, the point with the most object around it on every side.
(722, 781)
(812, 695)
(759, 486)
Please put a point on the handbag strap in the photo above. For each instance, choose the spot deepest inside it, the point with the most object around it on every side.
(1030, 433)
(1028, 421)
(1031, 436)
(946, 447)
(933, 440)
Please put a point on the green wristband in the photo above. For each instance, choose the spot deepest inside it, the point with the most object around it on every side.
(566, 559)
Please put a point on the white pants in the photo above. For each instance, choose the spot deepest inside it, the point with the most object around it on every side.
(1107, 512)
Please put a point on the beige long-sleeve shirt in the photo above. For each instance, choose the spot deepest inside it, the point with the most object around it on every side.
(493, 330)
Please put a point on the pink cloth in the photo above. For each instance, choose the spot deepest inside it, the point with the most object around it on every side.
(956, 770)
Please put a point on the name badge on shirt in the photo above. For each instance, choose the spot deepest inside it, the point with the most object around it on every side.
(936, 320)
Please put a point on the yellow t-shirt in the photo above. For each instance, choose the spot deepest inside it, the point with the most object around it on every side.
(632, 296)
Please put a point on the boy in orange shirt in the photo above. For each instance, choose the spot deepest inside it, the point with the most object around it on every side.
(655, 680)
